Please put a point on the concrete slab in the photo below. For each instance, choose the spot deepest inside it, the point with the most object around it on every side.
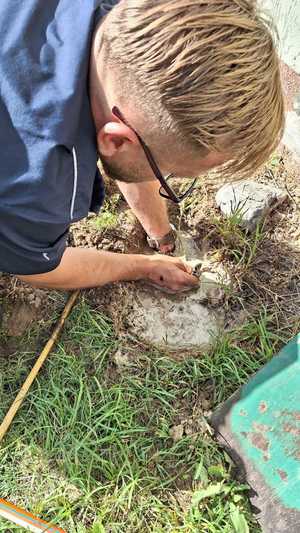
(287, 17)
(185, 321)
(175, 322)
(292, 133)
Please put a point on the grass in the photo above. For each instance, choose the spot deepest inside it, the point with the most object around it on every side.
(108, 217)
(105, 220)
(92, 450)
(241, 246)
(93, 446)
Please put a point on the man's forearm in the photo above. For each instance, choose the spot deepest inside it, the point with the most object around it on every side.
(83, 268)
(86, 268)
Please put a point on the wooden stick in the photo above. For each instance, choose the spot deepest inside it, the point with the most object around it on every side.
(35, 370)
(27, 520)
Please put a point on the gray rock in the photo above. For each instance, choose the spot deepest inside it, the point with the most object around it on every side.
(250, 200)
(175, 324)
(187, 249)
(121, 359)
(184, 321)
(180, 322)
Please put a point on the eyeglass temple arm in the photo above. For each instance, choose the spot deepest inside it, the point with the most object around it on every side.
(150, 158)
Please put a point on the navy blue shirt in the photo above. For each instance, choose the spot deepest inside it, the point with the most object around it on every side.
(48, 171)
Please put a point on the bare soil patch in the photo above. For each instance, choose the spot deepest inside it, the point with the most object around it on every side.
(270, 282)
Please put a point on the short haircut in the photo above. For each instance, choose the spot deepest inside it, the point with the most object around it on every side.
(208, 70)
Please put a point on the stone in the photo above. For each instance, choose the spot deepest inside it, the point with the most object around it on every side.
(182, 321)
(176, 432)
(185, 320)
(250, 200)
(174, 322)
(187, 249)
(121, 359)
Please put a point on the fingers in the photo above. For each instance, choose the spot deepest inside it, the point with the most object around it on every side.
(187, 280)
(172, 273)
(179, 280)
(181, 264)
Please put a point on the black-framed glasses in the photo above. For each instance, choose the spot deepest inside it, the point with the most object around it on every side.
(165, 190)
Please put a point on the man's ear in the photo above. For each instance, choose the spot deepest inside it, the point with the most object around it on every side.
(115, 137)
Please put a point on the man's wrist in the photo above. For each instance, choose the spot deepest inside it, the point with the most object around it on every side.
(141, 265)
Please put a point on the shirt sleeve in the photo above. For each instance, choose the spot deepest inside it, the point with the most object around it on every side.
(30, 247)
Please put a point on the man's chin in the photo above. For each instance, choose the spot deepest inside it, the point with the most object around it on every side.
(115, 173)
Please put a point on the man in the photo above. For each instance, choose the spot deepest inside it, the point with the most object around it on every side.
(152, 86)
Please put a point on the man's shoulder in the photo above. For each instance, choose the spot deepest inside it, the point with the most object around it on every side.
(44, 62)
(47, 133)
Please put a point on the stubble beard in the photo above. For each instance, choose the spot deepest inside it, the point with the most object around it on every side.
(132, 174)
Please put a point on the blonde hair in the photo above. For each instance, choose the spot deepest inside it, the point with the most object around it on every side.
(207, 68)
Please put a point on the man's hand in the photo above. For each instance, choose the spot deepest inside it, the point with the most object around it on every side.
(171, 273)
(82, 268)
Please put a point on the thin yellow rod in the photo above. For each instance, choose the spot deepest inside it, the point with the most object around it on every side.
(36, 368)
